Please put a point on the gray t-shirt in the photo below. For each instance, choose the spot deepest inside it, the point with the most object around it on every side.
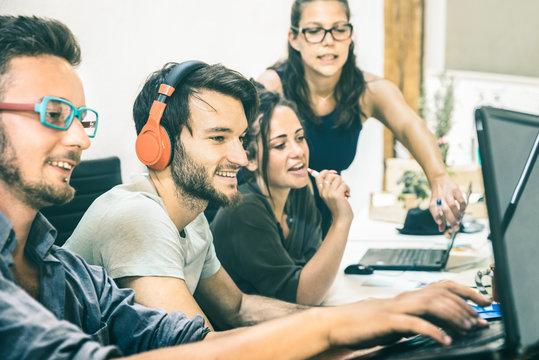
(128, 231)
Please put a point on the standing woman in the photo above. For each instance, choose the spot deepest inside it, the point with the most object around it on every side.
(271, 243)
(334, 98)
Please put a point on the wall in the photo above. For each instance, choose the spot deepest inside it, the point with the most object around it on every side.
(124, 40)
(494, 36)
(485, 46)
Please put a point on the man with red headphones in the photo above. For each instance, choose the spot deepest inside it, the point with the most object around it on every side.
(151, 235)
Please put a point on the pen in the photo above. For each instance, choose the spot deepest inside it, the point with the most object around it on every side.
(316, 173)
(439, 204)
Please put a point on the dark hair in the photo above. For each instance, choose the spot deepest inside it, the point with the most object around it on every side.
(347, 91)
(212, 77)
(260, 130)
(34, 36)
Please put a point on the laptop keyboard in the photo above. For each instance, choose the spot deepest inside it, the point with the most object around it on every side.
(403, 257)
(423, 347)
(415, 256)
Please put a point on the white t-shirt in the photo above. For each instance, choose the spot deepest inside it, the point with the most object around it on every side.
(128, 231)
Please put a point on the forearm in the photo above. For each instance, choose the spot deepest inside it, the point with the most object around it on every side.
(286, 338)
(255, 309)
(319, 273)
(422, 145)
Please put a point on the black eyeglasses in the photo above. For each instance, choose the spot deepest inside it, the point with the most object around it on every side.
(315, 35)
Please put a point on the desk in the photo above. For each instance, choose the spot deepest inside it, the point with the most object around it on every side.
(470, 253)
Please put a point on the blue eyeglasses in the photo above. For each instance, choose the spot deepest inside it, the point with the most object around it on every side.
(58, 113)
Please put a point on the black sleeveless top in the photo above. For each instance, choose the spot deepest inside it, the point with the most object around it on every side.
(330, 148)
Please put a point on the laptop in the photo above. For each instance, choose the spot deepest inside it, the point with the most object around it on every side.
(410, 259)
(509, 144)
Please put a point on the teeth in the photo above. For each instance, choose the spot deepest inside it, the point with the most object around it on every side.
(230, 174)
(61, 164)
(298, 167)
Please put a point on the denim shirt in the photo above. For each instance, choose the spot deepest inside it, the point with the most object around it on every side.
(81, 313)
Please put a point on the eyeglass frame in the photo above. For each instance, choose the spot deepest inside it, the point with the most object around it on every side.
(41, 109)
(326, 31)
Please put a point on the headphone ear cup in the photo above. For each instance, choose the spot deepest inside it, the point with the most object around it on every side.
(153, 147)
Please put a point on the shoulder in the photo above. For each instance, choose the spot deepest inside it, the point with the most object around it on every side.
(252, 211)
(200, 227)
(379, 93)
(121, 215)
(271, 81)
(77, 267)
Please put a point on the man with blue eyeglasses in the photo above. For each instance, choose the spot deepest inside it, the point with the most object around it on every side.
(53, 305)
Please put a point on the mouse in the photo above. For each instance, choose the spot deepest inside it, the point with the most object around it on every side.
(358, 269)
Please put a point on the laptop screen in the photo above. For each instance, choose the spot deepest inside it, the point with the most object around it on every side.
(506, 139)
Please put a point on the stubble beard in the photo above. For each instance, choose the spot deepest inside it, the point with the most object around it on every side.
(35, 194)
(193, 183)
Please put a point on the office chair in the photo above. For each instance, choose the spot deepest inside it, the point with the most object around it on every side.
(90, 178)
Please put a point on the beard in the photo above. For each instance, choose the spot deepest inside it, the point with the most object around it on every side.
(192, 179)
(37, 194)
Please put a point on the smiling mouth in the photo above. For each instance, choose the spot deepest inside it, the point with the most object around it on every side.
(61, 164)
(297, 167)
(228, 174)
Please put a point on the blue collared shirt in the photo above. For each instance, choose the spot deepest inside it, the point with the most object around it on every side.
(81, 313)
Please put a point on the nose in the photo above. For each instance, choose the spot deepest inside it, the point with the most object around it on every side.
(328, 37)
(236, 153)
(296, 149)
(75, 136)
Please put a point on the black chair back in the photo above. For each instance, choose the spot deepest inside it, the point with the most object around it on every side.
(91, 178)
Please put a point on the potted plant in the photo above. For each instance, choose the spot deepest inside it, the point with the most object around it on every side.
(414, 190)
(440, 115)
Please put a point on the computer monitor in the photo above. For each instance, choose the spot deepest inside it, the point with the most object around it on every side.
(506, 139)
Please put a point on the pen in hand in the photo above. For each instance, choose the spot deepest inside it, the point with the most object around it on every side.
(316, 173)
(439, 205)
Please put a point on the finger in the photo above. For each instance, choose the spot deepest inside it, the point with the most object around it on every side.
(467, 293)
(437, 213)
(451, 213)
(458, 314)
(403, 324)
(461, 201)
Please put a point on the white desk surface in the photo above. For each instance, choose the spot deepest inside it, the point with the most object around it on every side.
(470, 253)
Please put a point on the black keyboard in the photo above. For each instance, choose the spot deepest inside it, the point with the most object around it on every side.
(404, 259)
(422, 347)
(416, 256)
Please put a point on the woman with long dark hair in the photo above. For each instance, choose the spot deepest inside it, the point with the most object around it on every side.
(334, 98)
(271, 243)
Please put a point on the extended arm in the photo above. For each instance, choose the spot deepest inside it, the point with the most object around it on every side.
(367, 323)
(384, 101)
(228, 307)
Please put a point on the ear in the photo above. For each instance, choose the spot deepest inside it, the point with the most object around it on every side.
(293, 39)
(252, 165)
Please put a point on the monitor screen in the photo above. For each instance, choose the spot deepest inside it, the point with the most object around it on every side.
(506, 139)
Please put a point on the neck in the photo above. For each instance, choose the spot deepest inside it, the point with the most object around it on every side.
(320, 86)
(278, 198)
(181, 208)
(21, 216)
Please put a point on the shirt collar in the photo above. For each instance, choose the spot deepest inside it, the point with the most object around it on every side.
(41, 237)
(8, 240)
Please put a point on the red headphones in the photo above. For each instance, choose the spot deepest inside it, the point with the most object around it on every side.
(153, 145)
